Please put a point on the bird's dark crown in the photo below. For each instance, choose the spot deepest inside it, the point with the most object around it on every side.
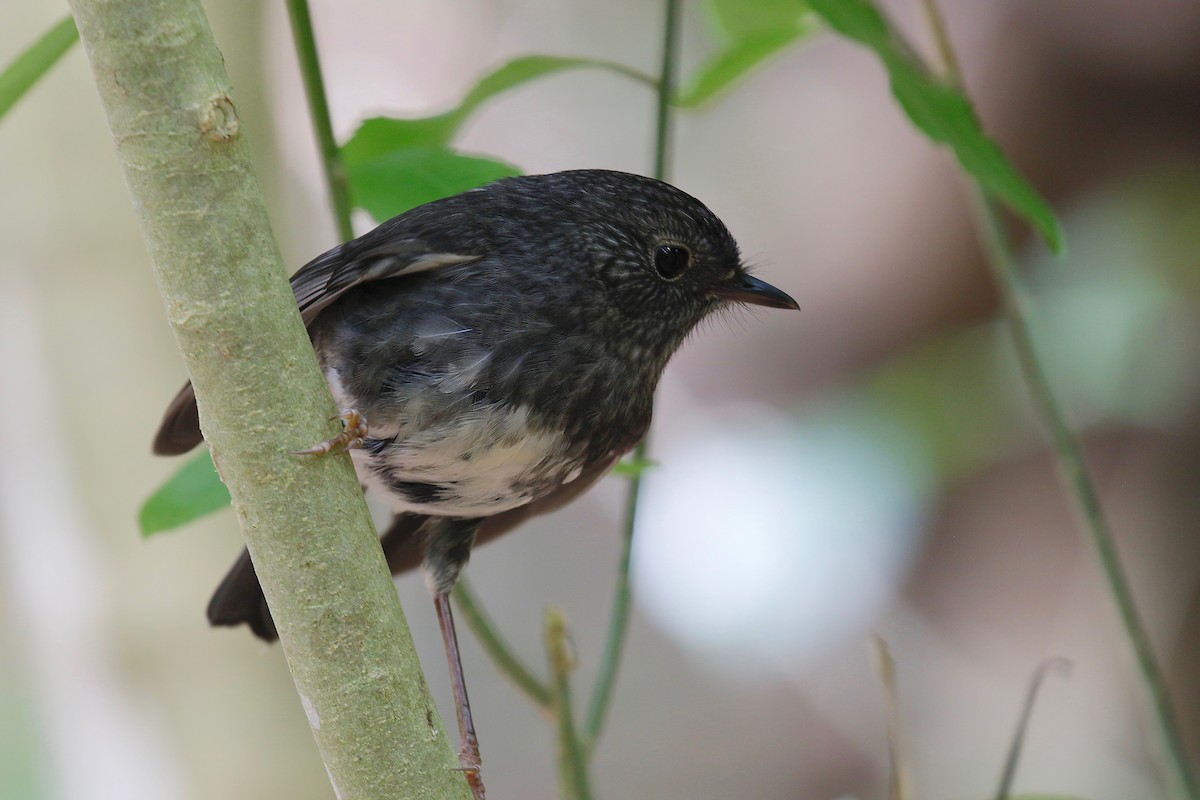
(655, 252)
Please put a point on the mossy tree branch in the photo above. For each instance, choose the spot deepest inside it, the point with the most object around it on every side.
(163, 84)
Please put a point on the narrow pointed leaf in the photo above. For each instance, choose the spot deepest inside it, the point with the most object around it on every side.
(941, 111)
(194, 491)
(35, 62)
(735, 61)
(742, 19)
(381, 135)
(529, 68)
(750, 32)
(391, 183)
(633, 466)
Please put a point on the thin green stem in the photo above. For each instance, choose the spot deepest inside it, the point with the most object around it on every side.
(618, 624)
(1009, 773)
(318, 106)
(941, 41)
(900, 782)
(1073, 470)
(664, 118)
(1068, 451)
(622, 600)
(572, 756)
(472, 613)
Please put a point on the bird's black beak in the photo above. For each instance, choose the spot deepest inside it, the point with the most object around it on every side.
(743, 288)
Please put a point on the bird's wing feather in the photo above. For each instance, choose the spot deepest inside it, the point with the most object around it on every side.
(379, 255)
(329, 276)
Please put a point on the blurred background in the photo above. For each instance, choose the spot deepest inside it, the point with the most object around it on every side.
(870, 465)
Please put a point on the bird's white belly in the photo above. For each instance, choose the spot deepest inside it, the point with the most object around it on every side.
(481, 461)
(479, 468)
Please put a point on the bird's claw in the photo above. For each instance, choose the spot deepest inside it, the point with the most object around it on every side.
(354, 433)
(469, 764)
(474, 780)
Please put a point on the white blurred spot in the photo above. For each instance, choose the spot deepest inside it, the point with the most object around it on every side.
(772, 538)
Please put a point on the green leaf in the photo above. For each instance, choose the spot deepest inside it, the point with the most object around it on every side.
(381, 135)
(528, 68)
(633, 467)
(35, 62)
(859, 20)
(397, 164)
(391, 183)
(942, 112)
(743, 19)
(736, 60)
(946, 393)
(751, 31)
(194, 491)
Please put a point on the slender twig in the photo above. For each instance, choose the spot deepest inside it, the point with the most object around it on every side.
(1074, 472)
(318, 106)
(900, 782)
(664, 117)
(572, 756)
(941, 42)
(1009, 773)
(622, 600)
(502, 655)
(618, 623)
(1068, 451)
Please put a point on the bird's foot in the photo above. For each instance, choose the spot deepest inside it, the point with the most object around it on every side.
(470, 762)
(354, 433)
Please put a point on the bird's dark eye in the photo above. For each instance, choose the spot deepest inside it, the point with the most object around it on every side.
(670, 260)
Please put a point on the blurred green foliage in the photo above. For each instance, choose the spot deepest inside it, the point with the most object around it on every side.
(749, 34)
(941, 111)
(396, 164)
(1120, 321)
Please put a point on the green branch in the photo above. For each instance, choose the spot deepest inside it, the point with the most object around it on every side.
(162, 82)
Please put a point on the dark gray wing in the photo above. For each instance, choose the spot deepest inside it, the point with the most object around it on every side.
(329, 276)
(379, 255)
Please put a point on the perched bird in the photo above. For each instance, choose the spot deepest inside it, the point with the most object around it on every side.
(496, 353)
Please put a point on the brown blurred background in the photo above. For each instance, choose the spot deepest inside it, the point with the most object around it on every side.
(869, 465)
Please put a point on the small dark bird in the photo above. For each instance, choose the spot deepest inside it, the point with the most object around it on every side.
(496, 353)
